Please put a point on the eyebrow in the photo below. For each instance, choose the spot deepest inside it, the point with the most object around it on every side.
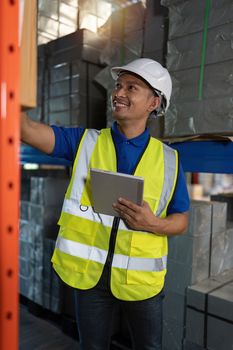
(119, 80)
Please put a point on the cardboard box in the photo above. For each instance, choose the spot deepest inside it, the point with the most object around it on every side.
(28, 54)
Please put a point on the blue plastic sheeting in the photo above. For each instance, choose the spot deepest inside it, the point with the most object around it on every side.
(206, 156)
(195, 156)
(32, 155)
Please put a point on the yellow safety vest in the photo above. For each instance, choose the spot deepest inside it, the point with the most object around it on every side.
(138, 259)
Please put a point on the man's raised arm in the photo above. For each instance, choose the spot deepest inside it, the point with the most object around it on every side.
(37, 134)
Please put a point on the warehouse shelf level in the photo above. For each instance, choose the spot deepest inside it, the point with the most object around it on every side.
(195, 156)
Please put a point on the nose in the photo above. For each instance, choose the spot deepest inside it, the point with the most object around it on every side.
(120, 91)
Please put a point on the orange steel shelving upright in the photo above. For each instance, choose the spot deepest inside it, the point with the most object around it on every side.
(9, 173)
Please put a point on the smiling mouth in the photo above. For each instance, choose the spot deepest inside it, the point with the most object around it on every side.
(119, 103)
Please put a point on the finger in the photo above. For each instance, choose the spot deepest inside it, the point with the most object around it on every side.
(123, 210)
(128, 204)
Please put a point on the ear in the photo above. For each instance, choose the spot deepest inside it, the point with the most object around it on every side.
(155, 103)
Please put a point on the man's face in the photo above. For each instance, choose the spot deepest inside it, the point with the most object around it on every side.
(132, 99)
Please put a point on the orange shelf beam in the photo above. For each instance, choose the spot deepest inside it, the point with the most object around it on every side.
(9, 172)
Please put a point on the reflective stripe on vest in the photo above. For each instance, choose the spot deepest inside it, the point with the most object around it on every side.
(83, 163)
(169, 175)
(139, 264)
(81, 250)
(85, 251)
(73, 207)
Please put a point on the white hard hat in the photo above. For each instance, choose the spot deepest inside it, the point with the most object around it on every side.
(152, 72)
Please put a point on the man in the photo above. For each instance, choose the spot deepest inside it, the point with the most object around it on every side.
(110, 261)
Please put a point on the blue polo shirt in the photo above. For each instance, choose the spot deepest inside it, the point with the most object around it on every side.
(128, 154)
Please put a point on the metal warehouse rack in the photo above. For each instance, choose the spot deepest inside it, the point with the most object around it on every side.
(9, 173)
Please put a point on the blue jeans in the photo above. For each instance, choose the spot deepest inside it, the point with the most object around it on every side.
(95, 311)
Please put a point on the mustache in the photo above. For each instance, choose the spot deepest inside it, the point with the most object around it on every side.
(120, 99)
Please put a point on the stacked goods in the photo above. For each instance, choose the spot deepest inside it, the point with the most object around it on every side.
(204, 251)
(155, 31)
(52, 288)
(209, 314)
(188, 262)
(38, 231)
(124, 33)
(155, 47)
(67, 93)
(30, 261)
(199, 58)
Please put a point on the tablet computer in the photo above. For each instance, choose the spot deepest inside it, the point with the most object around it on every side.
(108, 186)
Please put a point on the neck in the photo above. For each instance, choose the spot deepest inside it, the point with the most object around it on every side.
(130, 131)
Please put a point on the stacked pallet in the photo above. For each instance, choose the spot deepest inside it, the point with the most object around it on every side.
(204, 251)
(200, 57)
(38, 231)
(209, 314)
(67, 92)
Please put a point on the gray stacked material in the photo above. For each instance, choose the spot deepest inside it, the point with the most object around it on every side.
(155, 31)
(104, 78)
(124, 30)
(67, 93)
(209, 314)
(155, 47)
(82, 44)
(26, 179)
(222, 240)
(222, 250)
(39, 218)
(203, 251)
(48, 191)
(44, 207)
(44, 216)
(31, 261)
(188, 262)
(191, 111)
(51, 283)
(227, 198)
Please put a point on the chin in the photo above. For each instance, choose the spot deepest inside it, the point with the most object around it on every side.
(121, 112)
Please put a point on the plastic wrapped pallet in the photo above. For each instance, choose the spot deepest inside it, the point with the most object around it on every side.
(200, 103)
(47, 191)
(124, 21)
(116, 53)
(31, 260)
(188, 262)
(187, 345)
(44, 216)
(155, 31)
(209, 312)
(187, 16)
(67, 95)
(227, 198)
(124, 30)
(192, 258)
(185, 52)
(51, 282)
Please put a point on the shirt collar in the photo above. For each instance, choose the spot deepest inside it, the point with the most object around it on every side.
(137, 141)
